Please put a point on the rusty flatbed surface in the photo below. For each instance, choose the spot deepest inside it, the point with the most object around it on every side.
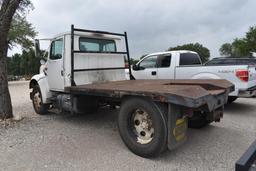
(192, 93)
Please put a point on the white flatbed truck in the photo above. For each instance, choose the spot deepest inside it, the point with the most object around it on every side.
(86, 68)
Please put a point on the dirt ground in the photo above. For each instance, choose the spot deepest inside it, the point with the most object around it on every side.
(92, 142)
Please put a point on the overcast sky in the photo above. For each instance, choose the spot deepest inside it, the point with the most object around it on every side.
(152, 25)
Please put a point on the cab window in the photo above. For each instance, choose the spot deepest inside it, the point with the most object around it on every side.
(149, 62)
(164, 61)
(56, 49)
(96, 45)
(189, 59)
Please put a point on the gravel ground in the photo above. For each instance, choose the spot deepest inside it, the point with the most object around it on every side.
(92, 142)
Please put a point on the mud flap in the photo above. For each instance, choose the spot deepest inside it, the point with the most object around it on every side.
(177, 127)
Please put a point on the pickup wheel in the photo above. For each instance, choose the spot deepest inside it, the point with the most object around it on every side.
(38, 105)
(142, 127)
(198, 120)
(231, 99)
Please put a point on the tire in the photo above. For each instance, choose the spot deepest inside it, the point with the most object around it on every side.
(39, 107)
(198, 120)
(231, 99)
(154, 144)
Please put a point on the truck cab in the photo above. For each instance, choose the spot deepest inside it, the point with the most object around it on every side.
(100, 58)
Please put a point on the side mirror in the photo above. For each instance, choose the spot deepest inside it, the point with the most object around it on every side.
(37, 49)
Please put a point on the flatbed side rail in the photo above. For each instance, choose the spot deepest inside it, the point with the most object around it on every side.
(73, 70)
(248, 159)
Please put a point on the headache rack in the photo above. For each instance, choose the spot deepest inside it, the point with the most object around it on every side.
(73, 70)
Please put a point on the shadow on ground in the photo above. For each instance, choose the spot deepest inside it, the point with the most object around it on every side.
(238, 107)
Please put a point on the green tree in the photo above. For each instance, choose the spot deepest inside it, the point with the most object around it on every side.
(250, 39)
(203, 52)
(21, 32)
(29, 63)
(24, 64)
(240, 47)
(14, 67)
(7, 11)
(226, 49)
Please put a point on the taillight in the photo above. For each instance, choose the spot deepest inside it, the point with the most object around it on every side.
(243, 75)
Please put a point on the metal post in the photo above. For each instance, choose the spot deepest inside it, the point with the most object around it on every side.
(72, 55)
(128, 55)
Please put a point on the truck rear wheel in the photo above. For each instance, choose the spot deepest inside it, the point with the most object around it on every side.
(198, 120)
(38, 105)
(142, 127)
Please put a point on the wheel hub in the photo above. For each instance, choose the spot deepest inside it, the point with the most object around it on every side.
(143, 127)
(37, 100)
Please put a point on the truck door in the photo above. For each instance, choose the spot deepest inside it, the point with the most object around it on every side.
(55, 66)
(165, 69)
(146, 69)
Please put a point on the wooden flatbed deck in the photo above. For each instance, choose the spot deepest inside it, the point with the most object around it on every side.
(191, 93)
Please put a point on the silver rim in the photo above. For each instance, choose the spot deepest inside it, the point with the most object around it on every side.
(37, 101)
(143, 127)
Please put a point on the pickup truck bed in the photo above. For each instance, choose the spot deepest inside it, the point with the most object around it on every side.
(189, 93)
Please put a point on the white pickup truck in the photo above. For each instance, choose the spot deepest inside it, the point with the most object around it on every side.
(183, 64)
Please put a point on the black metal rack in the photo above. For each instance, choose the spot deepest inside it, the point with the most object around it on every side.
(248, 159)
(73, 70)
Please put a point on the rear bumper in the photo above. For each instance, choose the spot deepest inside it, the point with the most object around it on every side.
(250, 92)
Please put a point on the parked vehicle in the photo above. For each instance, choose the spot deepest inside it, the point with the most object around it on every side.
(182, 64)
(231, 61)
(86, 68)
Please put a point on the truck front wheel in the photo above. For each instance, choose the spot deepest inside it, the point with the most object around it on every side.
(142, 127)
(38, 105)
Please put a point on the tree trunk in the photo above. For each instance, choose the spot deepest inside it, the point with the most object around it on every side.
(5, 100)
(8, 8)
